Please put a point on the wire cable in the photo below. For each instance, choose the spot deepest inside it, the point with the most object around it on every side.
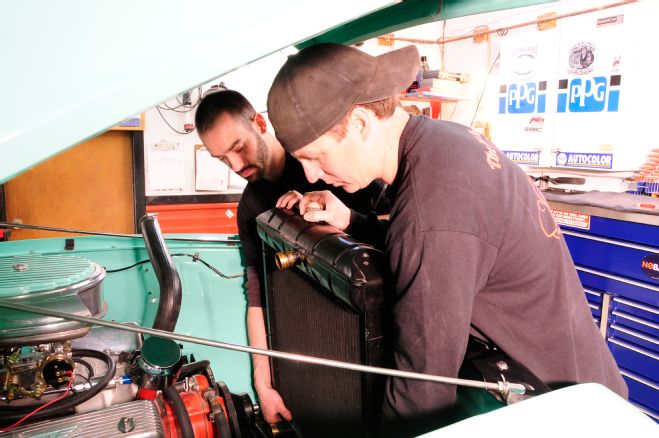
(194, 258)
(170, 126)
(125, 268)
(68, 388)
(10, 413)
(487, 79)
(189, 107)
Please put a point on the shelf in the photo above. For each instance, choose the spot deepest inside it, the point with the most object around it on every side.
(435, 101)
(133, 123)
(436, 98)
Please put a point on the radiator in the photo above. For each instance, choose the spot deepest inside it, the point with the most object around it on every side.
(330, 305)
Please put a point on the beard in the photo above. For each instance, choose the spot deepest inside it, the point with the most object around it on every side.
(261, 160)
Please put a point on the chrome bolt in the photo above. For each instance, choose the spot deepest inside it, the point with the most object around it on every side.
(126, 424)
(20, 267)
(503, 366)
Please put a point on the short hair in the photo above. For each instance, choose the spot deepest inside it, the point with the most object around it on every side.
(383, 109)
(217, 103)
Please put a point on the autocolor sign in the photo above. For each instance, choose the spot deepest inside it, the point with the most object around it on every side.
(587, 161)
(524, 157)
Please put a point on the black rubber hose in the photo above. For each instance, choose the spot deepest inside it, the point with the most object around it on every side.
(221, 423)
(190, 369)
(13, 413)
(171, 291)
(84, 363)
(180, 411)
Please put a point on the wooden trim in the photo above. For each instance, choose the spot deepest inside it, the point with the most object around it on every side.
(3, 215)
(139, 185)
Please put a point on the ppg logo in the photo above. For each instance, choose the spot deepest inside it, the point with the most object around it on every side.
(523, 98)
(588, 95)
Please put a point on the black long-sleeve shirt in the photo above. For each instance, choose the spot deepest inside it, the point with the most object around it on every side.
(472, 241)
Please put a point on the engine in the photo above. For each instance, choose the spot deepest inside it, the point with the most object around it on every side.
(62, 378)
(151, 389)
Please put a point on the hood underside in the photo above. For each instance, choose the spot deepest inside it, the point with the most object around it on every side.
(74, 68)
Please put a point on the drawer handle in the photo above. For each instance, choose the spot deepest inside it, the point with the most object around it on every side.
(636, 306)
(611, 242)
(590, 292)
(639, 380)
(637, 320)
(635, 334)
(620, 279)
(645, 411)
(637, 350)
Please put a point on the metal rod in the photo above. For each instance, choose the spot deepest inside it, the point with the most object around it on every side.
(502, 387)
(100, 233)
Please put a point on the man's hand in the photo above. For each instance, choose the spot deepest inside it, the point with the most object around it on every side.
(272, 406)
(289, 199)
(271, 403)
(325, 207)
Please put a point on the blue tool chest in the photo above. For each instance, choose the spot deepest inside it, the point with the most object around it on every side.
(616, 253)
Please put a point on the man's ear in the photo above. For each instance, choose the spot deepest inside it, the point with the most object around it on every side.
(359, 122)
(260, 122)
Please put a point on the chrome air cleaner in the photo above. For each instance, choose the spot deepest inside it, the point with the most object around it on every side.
(61, 282)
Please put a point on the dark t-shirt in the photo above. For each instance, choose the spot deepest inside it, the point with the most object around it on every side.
(263, 195)
(471, 240)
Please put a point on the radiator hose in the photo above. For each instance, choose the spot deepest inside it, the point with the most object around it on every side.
(171, 291)
(180, 411)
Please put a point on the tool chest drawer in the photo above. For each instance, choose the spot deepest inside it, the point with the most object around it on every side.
(643, 294)
(622, 230)
(635, 316)
(634, 358)
(617, 260)
(645, 393)
(616, 257)
(648, 343)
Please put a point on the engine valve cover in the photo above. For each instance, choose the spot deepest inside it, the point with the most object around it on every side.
(133, 419)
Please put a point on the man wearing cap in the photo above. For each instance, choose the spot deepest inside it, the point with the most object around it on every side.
(235, 133)
(472, 244)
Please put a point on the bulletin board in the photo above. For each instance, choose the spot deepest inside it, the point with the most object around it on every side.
(175, 169)
(210, 173)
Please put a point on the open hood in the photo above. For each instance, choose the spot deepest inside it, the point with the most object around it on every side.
(75, 68)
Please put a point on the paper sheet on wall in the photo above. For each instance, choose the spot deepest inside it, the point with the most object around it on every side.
(166, 169)
(210, 173)
(236, 181)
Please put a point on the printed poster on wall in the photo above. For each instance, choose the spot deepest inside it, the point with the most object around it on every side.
(523, 125)
(582, 94)
(592, 92)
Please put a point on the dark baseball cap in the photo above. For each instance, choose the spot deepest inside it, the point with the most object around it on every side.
(317, 87)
